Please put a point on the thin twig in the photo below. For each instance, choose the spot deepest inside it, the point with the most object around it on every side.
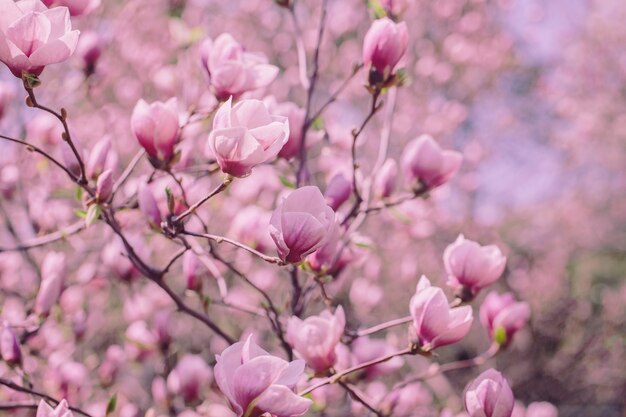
(213, 193)
(221, 239)
(360, 397)
(309, 96)
(10, 384)
(47, 239)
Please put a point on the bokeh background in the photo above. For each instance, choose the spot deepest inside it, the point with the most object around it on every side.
(532, 92)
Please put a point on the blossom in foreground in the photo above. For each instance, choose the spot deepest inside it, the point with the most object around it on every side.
(435, 323)
(231, 70)
(256, 382)
(156, 127)
(76, 7)
(61, 410)
(489, 395)
(33, 36)
(301, 224)
(315, 338)
(502, 316)
(246, 135)
(472, 267)
(424, 160)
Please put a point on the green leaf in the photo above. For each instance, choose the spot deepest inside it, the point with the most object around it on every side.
(80, 213)
(317, 124)
(377, 8)
(285, 182)
(93, 214)
(111, 405)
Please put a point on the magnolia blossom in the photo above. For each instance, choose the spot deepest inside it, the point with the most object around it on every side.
(338, 190)
(189, 377)
(52, 279)
(232, 71)
(384, 45)
(500, 313)
(435, 323)
(315, 338)
(61, 410)
(246, 135)
(256, 382)
(76, 7)
(301, 223)
(156, 128)
(10, 350)
(385, 180)
(471, 266)
(33, 36)
(489, 395)
(425, 161)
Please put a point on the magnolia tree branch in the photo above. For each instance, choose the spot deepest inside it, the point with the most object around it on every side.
(309, 96)
(67, 137)
(356, 395)
(221, 239)
(15, 387)
(57, 236)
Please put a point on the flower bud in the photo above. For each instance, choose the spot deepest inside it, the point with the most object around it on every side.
(156, 128)
(301, 223)
(192, 271)
(97, 158)
(89, 50)
(472, 267)
(434, 322)
(384, 45)
(188, 378)
(338, 191)
(425, 161)
(315, 338)
(10, 346)
(489, 395)
(148, 205)
(9, 176)
(231, 70)
(503, 317)
(52, 278)
(104, 186)
(385, 181)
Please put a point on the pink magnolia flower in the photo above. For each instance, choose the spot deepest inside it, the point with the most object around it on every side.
(104, 186)
(541, 409)
(384, 45)
(435, 323)
(315, 338)
(10, 350)
(89, 50)
(489, 395)
(98, 157)
(188, 378)
(192, 271)
(394, 7)
(385, 180)
(301, 223)
(256, 382)
(33, 36)
(148, 205)
(232, 71)
(246, 135)
(156, 128)
(338, 191)
(472, 267)
(76, 7)
(425, 161)
(52, 279)
(61, 410)
(502, 313)
(295, 115)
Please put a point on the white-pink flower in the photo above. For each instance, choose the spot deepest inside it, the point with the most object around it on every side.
(246, 135)
(33, 36)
